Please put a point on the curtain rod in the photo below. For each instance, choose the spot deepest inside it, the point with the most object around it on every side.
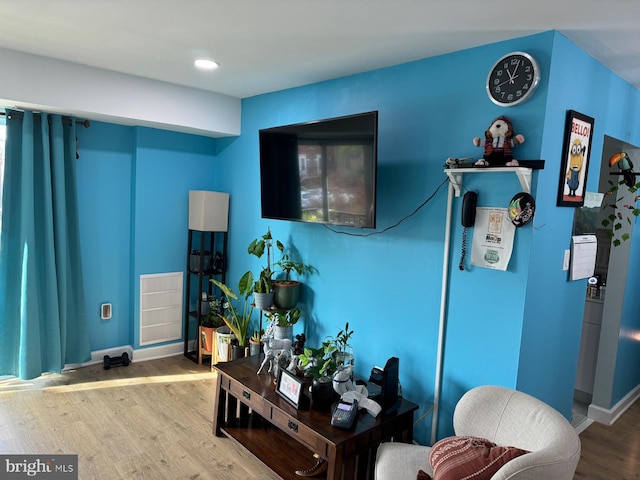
(84, 123)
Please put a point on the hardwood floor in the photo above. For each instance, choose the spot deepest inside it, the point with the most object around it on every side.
(150, 420)
(612, 453)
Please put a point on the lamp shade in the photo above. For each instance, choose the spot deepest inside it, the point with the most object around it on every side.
(208, 211)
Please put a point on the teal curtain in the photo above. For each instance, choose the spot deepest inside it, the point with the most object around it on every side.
(43, 323)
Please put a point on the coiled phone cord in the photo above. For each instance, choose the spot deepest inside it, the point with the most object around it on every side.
(464, 248)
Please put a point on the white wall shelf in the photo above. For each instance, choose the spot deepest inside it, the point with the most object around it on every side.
(523, 173)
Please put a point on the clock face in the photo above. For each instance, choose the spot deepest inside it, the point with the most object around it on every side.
(513, 79)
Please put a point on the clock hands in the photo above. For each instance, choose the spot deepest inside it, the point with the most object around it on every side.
(512, 77)
(517, 65)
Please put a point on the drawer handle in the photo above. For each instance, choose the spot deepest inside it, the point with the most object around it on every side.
(293, 426)
(246, 395)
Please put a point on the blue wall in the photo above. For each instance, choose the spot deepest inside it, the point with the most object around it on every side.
(133, 187)
(104, 172)
(388, 286)
(519, 328)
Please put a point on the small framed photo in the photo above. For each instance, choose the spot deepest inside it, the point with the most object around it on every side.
(575, 159)
(289, 387)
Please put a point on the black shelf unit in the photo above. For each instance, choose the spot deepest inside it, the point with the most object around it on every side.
(208, 245)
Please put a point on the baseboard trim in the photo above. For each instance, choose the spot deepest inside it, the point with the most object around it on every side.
(137, 355)
(609, 416)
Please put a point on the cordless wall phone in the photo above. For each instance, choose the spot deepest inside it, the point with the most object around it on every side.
(469, 203)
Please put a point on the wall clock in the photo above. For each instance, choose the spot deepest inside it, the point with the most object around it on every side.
(513, 79)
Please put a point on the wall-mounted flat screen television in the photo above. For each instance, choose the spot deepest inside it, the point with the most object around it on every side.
(322, 171)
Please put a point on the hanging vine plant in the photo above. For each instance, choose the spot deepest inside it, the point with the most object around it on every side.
(621, 212)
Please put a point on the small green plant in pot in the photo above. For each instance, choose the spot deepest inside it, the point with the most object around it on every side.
(325, 361)
(321, 364)
(262, 286)
(285, 320)
(287, 290)
(263, 290)
(238, 321)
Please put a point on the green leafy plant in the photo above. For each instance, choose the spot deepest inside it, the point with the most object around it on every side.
(212, 319)
(263, 283)
(621, 213)
(257, 335)
(285, 318)
(257, 247)
(319, 362)
(323, 361)
(238, 321)
(341, 340)
(288, 265)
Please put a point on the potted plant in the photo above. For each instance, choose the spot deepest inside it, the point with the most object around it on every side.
(342, 353)
(237, 321)
(284, 322)
(262, 286)
(287, 290)
(209, 323)
(322, 363)
(263, 290)
(254, 342)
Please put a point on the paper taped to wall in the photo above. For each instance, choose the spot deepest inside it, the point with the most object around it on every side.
(583, 256)
(493, 235)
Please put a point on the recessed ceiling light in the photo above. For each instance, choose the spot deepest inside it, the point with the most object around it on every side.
(206, 64)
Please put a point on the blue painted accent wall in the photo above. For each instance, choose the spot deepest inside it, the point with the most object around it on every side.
(133, 187)
(167, 166)
(104, 209)
(388, 286)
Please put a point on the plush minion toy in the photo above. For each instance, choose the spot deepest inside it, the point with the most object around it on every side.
(498, 143)
(624, 163)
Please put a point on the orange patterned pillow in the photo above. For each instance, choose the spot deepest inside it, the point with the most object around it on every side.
(469, 458)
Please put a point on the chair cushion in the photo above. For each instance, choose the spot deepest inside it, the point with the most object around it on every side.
(472, 458)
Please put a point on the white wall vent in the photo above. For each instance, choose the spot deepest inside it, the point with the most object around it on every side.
(160, 307)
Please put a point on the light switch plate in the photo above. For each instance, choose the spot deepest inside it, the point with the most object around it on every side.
(565, 262)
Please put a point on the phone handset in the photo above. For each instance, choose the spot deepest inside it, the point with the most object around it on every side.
(469, 203)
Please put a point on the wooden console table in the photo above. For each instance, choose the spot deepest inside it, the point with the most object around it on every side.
(249, 411)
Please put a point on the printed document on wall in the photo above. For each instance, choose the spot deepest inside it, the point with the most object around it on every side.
(493, 235)
(583, 256)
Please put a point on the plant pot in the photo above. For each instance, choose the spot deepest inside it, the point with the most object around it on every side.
(237, 351)
(322, 393)
(224, 338)
(282, 333)
(286, 293)
(254, 347)
(207, 338)
(263, 301)
(344, 359)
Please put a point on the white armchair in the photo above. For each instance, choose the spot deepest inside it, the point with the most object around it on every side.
(507, 418)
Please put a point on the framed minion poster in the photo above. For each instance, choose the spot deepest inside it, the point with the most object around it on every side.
(575, 159)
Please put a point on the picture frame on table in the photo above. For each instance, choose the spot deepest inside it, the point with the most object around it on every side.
(576, 152)
(290, 388)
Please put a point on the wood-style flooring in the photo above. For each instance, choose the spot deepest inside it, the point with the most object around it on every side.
(152, 420)
(612, 453)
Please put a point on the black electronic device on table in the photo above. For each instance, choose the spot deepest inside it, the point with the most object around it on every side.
(383, 384)
(344, 415)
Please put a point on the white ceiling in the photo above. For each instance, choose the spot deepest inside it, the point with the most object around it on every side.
(269, 45)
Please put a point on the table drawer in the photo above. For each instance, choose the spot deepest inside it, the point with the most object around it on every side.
(299, 431)
(253, 400)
